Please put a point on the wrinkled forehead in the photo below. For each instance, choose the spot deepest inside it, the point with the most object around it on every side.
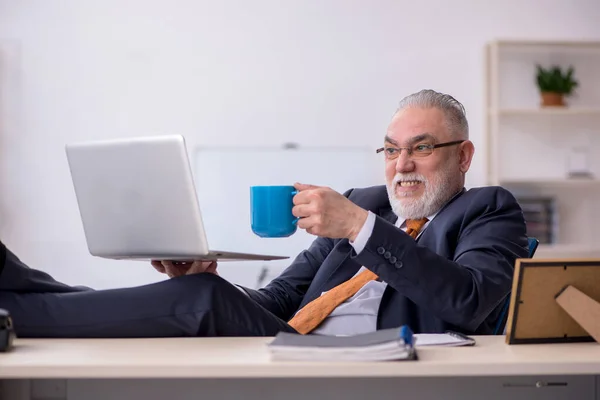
(417, 124)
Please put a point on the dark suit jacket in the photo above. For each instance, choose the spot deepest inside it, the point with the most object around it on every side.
(456, 276)
(2, 257)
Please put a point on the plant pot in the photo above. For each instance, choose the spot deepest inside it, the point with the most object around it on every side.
(551, 99)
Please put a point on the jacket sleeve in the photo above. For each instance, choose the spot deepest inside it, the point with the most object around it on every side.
(464, 290)
(2, 258)
(283, 295)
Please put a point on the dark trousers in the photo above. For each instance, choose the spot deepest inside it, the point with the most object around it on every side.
(194, 305)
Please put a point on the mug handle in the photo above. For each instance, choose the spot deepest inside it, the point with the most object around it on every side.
(295, 192)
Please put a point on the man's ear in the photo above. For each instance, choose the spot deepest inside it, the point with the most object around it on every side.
(465, 154)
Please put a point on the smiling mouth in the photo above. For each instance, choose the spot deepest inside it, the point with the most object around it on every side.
(408, 183)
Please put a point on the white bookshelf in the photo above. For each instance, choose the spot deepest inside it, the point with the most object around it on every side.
(528, 146)
(549, 111)
(568, 250)
(558, 183)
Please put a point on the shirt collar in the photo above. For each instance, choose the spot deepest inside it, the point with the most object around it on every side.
(401, 222)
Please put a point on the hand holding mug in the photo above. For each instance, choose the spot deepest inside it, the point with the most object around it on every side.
(327, 213)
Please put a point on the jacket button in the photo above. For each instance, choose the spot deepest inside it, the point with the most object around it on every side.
(380, 250)
(387, 255)
(399, 264)
(393, 260)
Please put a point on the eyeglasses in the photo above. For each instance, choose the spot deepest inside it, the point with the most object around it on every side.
(417, 150)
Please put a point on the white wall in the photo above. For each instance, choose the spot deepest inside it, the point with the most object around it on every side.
(238, 72)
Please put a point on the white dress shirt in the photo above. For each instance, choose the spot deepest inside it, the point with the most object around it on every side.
(358, 314)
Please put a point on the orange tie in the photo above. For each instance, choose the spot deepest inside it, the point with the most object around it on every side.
(315, 312)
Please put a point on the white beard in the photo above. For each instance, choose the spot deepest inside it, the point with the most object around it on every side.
(435, 195)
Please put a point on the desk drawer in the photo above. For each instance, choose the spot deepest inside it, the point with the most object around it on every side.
(545, 387)
(434, 388)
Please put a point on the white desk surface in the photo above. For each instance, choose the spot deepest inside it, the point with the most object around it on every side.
(249, 358)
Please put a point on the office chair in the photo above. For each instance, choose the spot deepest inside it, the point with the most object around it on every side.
(500, 327)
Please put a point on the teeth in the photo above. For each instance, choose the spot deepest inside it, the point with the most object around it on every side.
(408, 183)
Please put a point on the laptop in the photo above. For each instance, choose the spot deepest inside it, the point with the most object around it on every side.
(137, 200)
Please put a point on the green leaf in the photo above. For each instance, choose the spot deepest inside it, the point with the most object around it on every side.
(553, 79)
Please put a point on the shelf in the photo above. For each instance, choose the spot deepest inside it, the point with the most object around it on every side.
(529, 47)
(581, 182)
(545, 43)
(532, 148)
(566, 250)
(547, 111)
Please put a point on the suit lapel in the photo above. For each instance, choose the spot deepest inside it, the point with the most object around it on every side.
(437, 219)
(388, 214)
(333, 274)
(346, 267)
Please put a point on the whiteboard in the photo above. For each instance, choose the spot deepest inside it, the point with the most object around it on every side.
(224, 175)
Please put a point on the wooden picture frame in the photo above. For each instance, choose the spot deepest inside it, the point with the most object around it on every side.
(535, 315)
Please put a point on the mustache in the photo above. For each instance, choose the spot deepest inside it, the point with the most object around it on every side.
(399, 177)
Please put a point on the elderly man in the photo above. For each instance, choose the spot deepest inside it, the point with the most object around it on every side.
(420, 250)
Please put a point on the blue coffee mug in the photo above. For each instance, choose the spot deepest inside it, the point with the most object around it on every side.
(271, 211)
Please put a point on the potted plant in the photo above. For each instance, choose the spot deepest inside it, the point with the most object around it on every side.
(555, 85)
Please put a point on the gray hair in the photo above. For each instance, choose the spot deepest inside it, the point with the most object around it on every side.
(456, 115)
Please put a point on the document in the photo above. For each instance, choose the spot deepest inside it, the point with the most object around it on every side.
(442, 339)
(382, 345)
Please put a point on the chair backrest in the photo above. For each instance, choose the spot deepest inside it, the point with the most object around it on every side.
(501, 326)
(533, 245)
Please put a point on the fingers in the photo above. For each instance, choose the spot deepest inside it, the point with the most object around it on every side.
(302, 210)
(309, 194)
(212, 268)
(199, 267)
(310, 223)
(158, 266)
(303, 186)
(167, 267)
(203, 267)
(309, 202)
(173, 270)
(176, 269)
(195, 268)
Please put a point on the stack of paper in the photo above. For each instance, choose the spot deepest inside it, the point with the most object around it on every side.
(447, 339)
(381, 345)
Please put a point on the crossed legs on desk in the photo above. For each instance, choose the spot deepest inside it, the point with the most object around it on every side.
(194, 305)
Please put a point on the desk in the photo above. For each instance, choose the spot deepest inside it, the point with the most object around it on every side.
(182, 368)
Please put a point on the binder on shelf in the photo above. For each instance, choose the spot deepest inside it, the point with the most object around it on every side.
(540, 217)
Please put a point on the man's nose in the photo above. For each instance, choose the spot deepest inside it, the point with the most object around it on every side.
(404, 162)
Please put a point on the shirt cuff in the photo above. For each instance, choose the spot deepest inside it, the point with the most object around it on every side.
(365, 233)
